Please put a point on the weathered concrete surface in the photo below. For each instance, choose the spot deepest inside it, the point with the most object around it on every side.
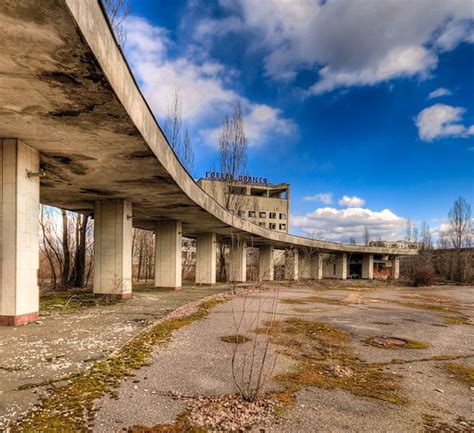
(61, 344)
(66, 90)
(197, 362)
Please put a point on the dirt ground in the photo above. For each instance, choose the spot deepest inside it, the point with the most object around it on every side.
(356, 356)
(70, 336)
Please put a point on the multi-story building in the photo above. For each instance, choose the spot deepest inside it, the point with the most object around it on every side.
(394, 244)
(251, 198)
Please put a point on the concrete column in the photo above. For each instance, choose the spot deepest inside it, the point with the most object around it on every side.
(238, 262)
(317, 267)
(113, 248)
(341, 266)
(396, 268)
(206, 249)
(168, 255)
(19, 228)
(368, 266)
(291, 265)
(267, 264)
(304, 265)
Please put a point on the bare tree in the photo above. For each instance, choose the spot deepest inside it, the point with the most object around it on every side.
(118, 10)
(460, 224)
(188, 152)
(366, 236)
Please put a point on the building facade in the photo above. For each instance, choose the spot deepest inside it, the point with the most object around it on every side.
(253, 199)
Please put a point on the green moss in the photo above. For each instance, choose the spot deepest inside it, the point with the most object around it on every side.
(462, 372)
(235, 339)
(70, 301)
(69, 407)
(318, 347)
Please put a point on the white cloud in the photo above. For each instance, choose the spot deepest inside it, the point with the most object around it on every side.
(203, 85)
(351, 201)
(324, 197)
(441, 120)
(341, 224)
(350, 42)
(439, 92)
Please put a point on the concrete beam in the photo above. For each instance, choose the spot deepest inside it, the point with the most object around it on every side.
(267, 263)
(113, 248)
(19, 228)
(291, 264)
(168, 255)
(238, 261)
(317, 267)
(368, 266)
(206, 249)
(396, 268)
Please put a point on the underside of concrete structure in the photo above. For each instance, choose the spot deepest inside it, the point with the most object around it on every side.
(68, 95)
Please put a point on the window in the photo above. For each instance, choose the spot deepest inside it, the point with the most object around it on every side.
(283, 216)
(272, 226)
(252, 214)
(262, 224)
(241, 213)
(272, 215)
(282, 226)
(262, 214)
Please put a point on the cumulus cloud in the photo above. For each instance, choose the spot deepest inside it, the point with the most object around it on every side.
(439, 92)
(441, 120)
(204, 85)
(341, 224)
(348, 42)
(324, 197)
(353, 201)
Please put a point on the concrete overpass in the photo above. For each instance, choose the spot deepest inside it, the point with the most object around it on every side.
(69, 105)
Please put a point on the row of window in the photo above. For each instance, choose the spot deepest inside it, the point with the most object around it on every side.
(271, 215)
(272, 226)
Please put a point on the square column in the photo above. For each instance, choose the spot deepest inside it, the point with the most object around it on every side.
(19, 232)
(206, 249)
(267, 263)
(113, 248)
(368, 266)
(304, 265)
(291, 265)
(168, 255)
(317, 267)
(341, 266)
(396, 268)
(238, 262)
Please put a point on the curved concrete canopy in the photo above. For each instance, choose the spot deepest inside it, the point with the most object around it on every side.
(66, 90)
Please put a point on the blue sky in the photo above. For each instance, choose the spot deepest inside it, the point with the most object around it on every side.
(365, 108)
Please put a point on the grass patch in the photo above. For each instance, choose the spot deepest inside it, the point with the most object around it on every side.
(70, 407)
(440, 308)
(291, 301)
(385, 342)
(326, 359)
(458, 319)
(70, 301)
(235, 339)
(462, 372)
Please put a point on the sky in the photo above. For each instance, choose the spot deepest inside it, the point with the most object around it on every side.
(365, 108)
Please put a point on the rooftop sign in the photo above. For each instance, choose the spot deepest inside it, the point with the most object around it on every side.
(214, 175)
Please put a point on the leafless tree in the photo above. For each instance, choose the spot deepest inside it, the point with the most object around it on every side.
(188, 152)
(118, 10)
(460, 224)
(409, 230)
(366, 236)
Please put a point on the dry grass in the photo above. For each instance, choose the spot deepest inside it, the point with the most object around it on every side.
(385, 342)
(462, 372)
(235, 339)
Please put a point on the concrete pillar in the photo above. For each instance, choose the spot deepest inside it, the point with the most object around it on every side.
(266, 265)
(396, 268)
(19, 228)
(291, 265)
(368, 266)
(341, 266)
(238, 262)
(304, 265)
(168, 255)
(206, 249)
(317, 266)
(113, 248)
